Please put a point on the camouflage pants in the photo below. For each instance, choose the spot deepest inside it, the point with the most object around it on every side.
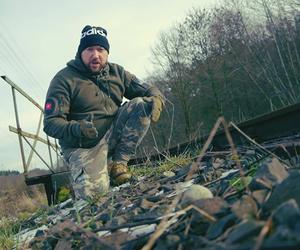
(88, 167)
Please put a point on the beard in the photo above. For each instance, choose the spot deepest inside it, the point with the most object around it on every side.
(95, 66)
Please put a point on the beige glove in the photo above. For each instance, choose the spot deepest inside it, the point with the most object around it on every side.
(157, 105)
(88, 129)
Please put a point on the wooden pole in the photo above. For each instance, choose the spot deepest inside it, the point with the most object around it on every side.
(19, 130)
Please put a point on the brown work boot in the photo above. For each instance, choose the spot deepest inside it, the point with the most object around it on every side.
(119, 173)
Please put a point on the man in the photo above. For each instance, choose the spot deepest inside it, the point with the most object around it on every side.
(83, 110)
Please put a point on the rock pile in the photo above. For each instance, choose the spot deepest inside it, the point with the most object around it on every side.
(217, 209)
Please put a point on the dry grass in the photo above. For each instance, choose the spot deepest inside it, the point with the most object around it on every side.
(17, 199)
(17, 202)
(8, 228)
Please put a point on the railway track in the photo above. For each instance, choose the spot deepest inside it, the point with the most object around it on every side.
(281, 127)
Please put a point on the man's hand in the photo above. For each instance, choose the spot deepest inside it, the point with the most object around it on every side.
(88, 129)
(156, 106)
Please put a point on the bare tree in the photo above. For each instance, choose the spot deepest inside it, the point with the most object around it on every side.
(170, 54)
(239, 60)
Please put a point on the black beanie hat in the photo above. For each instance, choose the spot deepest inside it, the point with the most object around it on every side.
(91, 36)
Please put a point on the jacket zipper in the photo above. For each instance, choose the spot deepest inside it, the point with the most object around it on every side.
(106, 83)
(107, 87)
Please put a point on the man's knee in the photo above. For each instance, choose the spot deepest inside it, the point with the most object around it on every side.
(88, 169)
(138, 103)
(86, 187)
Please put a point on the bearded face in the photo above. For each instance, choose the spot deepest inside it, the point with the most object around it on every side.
(94, 58)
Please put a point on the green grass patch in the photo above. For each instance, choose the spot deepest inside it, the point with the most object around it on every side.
(171, 164)
(8, 228)
(240, 184)
(64, 193)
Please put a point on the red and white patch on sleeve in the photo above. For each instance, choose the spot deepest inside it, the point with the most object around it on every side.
(48, 106)
(51, 106)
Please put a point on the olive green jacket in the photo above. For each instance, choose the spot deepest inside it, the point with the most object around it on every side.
(76, 94)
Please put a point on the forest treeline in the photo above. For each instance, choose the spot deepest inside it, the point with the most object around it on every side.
(238, 60)
(9, 172)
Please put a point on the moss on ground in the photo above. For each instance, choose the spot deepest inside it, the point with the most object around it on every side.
(171, 164)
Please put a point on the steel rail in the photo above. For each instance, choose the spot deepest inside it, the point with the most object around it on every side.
(277, 124)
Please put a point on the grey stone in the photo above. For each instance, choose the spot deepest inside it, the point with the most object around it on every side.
(244, 231)
(245, 208)
(217, 228)
(195, 193)
(287, 213)
(170, 242)
(214, 206)
(59, 236)
(282, 238)
(286, 190)
(271, 173)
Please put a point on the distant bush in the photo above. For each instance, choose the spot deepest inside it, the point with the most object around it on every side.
(17, 198)
(9, 172)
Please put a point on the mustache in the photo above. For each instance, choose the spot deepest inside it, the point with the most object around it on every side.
(95, 61)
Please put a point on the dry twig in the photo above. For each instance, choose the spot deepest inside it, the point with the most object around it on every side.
(264, 231)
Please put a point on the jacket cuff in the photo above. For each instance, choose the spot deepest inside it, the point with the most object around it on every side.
(75, 128)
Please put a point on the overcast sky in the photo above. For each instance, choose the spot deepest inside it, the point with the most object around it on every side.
(37, 38)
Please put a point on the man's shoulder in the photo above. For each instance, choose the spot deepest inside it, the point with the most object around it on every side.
(63, 77)
(66, 72)
(62, 72)
(114, 67)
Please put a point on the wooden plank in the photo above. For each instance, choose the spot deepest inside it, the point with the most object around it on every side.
(31, 136)
(22, 92)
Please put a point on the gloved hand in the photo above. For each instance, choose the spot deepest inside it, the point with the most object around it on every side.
(156, 106)
(88, 129)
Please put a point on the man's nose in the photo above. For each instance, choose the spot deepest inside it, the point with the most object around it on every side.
(95, 53)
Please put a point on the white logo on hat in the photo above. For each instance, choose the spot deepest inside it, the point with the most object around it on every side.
(93, 31)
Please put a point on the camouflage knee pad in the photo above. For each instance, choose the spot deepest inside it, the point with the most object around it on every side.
(89, 174)
(129, 128)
